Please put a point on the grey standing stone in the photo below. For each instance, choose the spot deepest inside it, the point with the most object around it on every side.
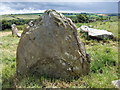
(15, 31)
(52, 47)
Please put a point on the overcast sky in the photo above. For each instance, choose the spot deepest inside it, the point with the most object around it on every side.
(9, 7)
(60, 0)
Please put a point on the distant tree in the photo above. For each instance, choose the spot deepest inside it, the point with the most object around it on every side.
(73, 18)
(101, 17)
(6, 24)
(82, 18)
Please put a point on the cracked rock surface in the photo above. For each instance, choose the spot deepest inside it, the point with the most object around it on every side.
(51, 46)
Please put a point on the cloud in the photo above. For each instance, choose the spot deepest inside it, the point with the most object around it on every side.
(20, 8)
(8, 10)
(60, 0)
(37, 7)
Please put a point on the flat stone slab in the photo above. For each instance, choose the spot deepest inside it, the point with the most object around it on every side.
(96, 33)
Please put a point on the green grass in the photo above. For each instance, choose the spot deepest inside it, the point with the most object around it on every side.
(19, 16)
(8, 57)
(101, 60)
(104, 60)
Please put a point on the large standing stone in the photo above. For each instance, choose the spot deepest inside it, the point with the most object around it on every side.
(52, 47)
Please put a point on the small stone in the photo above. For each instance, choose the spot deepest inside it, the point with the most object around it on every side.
(116, 83)
(1, 43)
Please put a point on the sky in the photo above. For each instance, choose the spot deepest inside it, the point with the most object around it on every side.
(74, 6)
(60, 0)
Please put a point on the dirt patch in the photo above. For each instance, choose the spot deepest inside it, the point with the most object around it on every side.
(5, 33)
(102, 14)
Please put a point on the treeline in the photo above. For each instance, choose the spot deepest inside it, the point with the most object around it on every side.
(78, 18)
(6, 24)
(86, 18)
(81, 18)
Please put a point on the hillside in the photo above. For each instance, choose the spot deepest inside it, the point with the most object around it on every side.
(104, 58)
(36, 15)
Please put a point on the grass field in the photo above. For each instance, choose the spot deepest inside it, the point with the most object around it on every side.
(36, 15)
(19, 16)
(104, 60)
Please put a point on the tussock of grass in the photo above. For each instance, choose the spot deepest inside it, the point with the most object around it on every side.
(102, 80)
(102, 56)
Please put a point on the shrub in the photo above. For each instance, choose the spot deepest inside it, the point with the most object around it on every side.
(73, 18)
(6, 24)
(82, 18)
